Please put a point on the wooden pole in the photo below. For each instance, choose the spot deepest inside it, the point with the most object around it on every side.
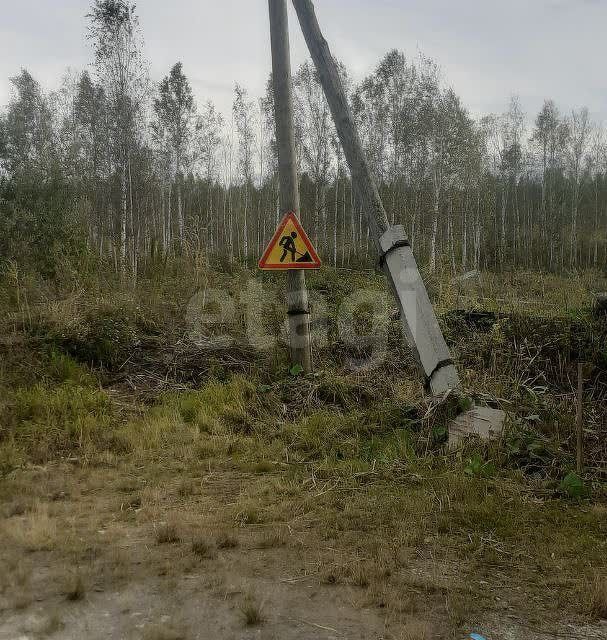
(580, 418)
(297, 295)
(396, 257)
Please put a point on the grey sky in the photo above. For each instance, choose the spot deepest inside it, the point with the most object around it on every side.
(487, 49)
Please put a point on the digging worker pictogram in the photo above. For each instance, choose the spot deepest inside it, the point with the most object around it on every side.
(288, 246)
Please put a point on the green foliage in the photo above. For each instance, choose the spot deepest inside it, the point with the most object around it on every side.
(573, 486)
(108, 338)
(39, 227)
(387, 448)
(389, 414)
(355, 435)
(331, 388)
(296, 370)
(531, 451)
(537, 353)
(464, 403)
(174, 109)
(63, 368)
(11, 456)
(105, 337)
(476, 467)
(439, 434)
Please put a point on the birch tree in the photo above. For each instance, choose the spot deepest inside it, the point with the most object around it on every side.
(244, 121)
(316, 133)
(114, 32)
(175, 112)
(579, 134)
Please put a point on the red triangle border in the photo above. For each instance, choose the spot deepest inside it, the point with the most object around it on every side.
(315, 264)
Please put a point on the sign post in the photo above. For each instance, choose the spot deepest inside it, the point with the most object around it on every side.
(297, 295)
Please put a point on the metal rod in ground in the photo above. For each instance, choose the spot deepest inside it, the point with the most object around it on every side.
(419, 321)
(297, 295)
(580, 418)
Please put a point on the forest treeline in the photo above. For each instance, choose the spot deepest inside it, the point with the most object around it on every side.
(113, 169)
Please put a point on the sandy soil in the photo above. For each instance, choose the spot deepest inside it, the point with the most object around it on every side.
(81, 558)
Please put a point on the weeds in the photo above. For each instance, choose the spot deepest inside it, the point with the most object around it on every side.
(262, 467)
(75, 589)
(272, 540)
(202, 548)
(417, 630)
(167, 534)
(252, 612)
(360, 576)
(226, 541)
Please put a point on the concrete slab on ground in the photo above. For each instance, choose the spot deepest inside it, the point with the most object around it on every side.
(484, 422)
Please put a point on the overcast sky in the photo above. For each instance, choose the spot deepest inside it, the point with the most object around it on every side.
(487, 50)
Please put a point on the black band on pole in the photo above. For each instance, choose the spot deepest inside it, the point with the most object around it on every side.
(397, 245)
(443, 363)
(298, 312)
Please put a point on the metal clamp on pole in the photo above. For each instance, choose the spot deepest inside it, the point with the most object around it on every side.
(448, 362)
(393, 238)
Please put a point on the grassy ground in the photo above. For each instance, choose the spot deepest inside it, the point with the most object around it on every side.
(139, 459)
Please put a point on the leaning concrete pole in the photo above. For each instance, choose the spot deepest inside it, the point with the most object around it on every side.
(396, 258)
(297, 295)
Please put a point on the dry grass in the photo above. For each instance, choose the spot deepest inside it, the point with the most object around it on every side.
(167, 533)
(394, 598)
(331, 576)
(21, 600)
(252, 612)
(272, 539)
(417, 630)
(598, 597)
(186, 488)
(202, 548)
(116, 565)
(35, 531)
(75, 589)
(226, 540)
(265, 466)
(360, 576)
(18, 507)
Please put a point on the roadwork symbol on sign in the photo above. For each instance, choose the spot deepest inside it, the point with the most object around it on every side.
(290, 248)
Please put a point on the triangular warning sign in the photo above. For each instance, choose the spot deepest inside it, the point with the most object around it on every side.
(290, 247)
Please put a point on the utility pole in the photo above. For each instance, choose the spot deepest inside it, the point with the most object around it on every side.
(297, 295)
(396, 257)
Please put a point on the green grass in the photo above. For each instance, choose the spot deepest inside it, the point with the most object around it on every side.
(354, 457)
(42, 422)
